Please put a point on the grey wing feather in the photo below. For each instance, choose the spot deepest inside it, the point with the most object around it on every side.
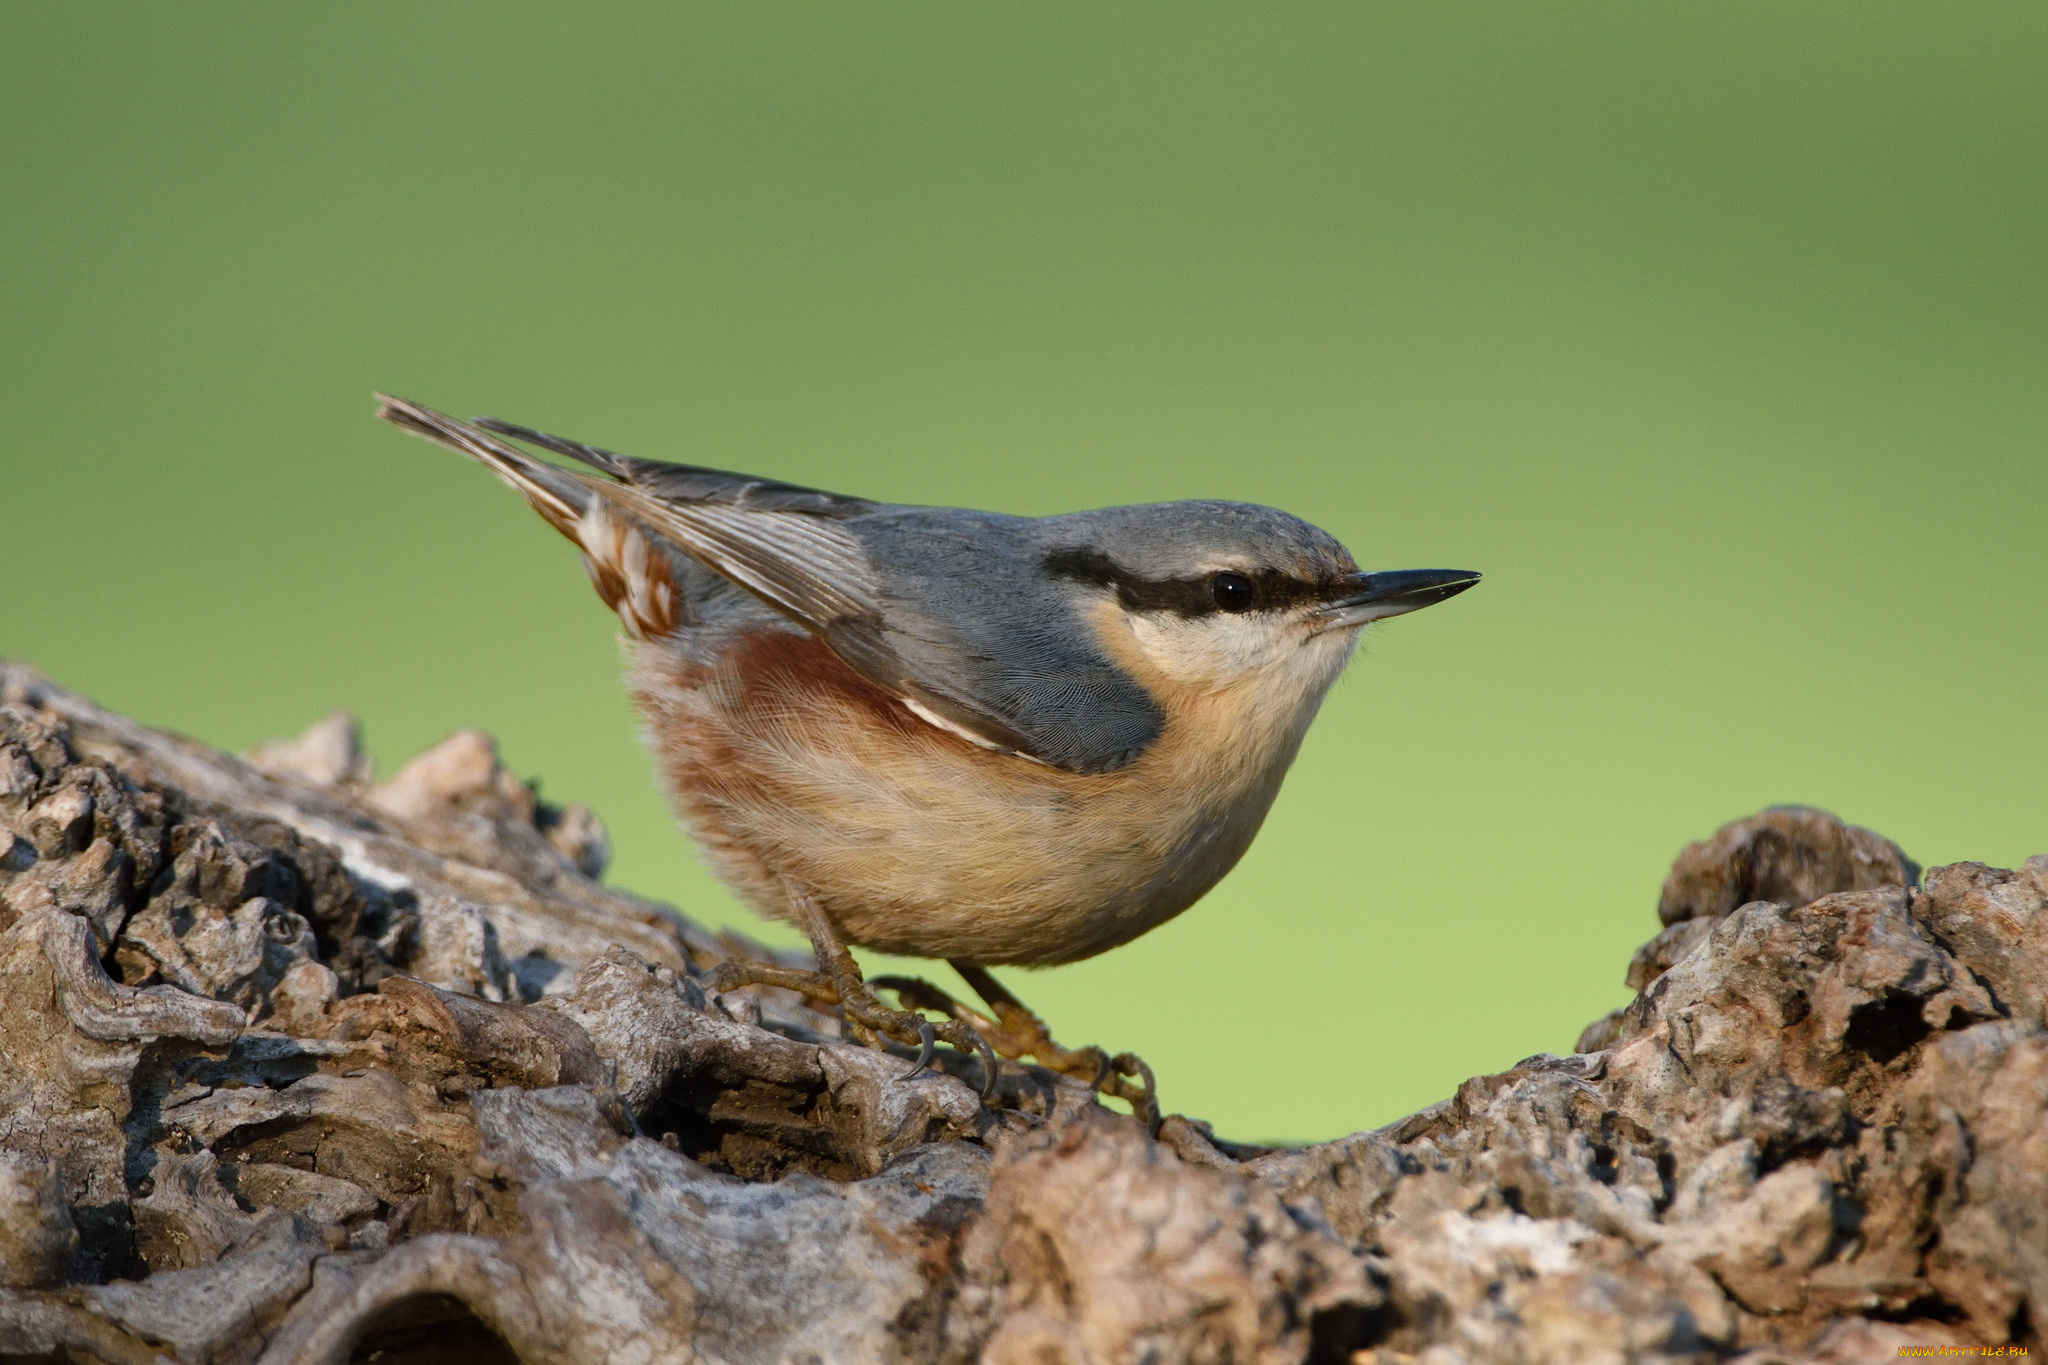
(989, 663)
(777, 540)
(938, 607)
(594, 456)
(984, 639)
(813, 569)
(691, 483)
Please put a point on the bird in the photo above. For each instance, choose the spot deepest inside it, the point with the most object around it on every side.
(953, 734)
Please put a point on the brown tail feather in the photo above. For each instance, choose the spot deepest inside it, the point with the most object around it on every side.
(629, 573)
(549, 491)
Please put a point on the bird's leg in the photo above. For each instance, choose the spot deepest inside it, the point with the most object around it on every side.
(859, 1005)
(1015, 1031)
(838, 981)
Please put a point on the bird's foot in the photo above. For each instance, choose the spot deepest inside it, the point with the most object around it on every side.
(838, 982)
(1015, 1031)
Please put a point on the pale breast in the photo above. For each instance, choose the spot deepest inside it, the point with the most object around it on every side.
(784, 762)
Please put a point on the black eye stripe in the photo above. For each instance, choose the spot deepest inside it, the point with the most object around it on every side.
(1270, 588)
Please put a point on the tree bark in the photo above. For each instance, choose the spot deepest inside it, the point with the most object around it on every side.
(296, 1068)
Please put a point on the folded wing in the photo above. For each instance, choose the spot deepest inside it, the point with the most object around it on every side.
(808, 554)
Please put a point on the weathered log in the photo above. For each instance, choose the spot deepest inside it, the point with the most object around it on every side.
(298, 1068)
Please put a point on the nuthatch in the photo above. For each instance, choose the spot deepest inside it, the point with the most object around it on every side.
(945, 733)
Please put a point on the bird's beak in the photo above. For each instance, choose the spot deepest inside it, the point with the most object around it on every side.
(1375, 596)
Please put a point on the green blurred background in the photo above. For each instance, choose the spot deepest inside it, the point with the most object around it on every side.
(1714, 335)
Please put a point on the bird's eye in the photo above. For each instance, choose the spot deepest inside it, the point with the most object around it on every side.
(1233, 591)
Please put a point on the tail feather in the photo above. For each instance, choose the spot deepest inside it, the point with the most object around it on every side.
(557, 494)
(618, 466)
(689, 482)
(629, 572)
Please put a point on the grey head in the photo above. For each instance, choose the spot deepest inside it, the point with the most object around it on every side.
(1222, 559)
(1063, 639)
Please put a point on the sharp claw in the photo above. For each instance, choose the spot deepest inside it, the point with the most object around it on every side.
(926, 1040)
(988, 1069)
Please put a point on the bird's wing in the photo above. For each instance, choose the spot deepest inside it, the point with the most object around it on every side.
(780, 542)
(936, 613)
(691, 483)
(933, 606)
(984, 640)
(805, 566)
(967, 636)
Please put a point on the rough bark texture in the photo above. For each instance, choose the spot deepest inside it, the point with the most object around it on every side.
(298, 1068)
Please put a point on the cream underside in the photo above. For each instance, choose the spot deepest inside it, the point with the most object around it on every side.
(918, 843)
